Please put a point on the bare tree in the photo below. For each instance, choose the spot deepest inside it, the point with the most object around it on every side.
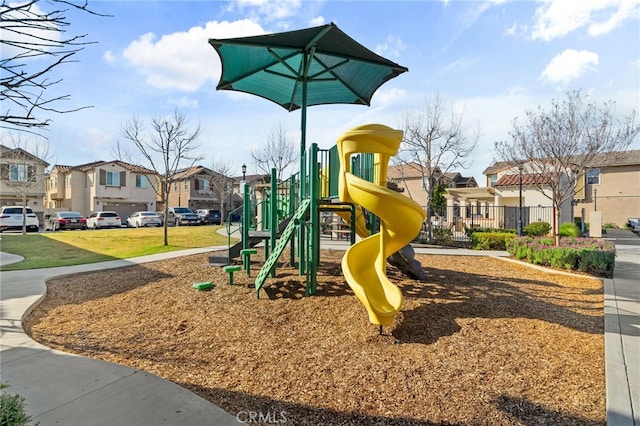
(34, 44)
(222, 182)
(435, 143)
(559, 144)
(24, 168)
(168, 145)
(279, 153)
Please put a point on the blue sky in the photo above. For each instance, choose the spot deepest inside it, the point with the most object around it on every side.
(491, 60)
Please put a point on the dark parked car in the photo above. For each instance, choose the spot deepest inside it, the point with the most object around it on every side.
(207, 216)
(65, 220)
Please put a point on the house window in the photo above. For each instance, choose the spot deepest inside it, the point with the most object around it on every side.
(186, 184)
(113, 178)
(175, 186)
(492, 180)
(18, 172)
(593, 176)
(141, 181)
(204, 185)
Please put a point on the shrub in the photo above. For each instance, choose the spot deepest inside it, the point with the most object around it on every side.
(12, 411)
(569, 229)
(536, 229)
(590, 255)
(610, 225)
(442, 236)
(490, 240)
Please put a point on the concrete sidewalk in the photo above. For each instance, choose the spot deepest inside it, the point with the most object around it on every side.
(70, 390)
(622, 331)
(64, 389)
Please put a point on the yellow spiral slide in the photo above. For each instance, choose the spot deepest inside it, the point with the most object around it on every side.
(364, 263)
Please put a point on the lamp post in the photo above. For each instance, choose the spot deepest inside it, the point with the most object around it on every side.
(595, 200)
(520, 201)
(244, 171)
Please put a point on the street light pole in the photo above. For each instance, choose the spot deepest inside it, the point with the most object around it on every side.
(520, 201)
(244, 171)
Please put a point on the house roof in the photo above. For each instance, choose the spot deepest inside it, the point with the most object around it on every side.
(527, 179)
(608, 159)
(611, 159)
(8, 152)
(406, 171)
(90, 166)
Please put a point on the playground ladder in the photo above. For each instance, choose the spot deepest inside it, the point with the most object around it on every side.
(280, 246)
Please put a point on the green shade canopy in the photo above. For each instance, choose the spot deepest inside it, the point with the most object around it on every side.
(335, 68)
(295, 69)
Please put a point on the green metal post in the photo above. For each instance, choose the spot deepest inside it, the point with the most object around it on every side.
(302, 243)
(314, 238)
(246, 216)
(292, 209)
(264, 206)
(273, 215)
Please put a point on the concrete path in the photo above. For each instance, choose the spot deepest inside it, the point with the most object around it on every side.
(622, 331)
(70, 390)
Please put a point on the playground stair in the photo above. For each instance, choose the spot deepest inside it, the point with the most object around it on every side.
(255, 238)
(281, 244)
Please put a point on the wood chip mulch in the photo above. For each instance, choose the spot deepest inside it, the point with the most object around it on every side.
(481, 341)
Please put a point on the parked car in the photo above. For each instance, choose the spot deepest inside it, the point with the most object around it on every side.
(208, 216)
(104, 219)
(634, 224)
(11, 218)
(140, 219)
(182, 216)
(65, 220)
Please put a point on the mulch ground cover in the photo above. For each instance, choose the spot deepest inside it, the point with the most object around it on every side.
(481, 341)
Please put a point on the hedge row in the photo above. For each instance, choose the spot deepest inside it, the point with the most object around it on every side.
(596, 257)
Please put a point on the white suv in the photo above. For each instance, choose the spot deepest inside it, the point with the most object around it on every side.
(105, 219)
(11, 219)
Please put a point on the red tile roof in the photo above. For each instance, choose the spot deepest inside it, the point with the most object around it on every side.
(527, 179)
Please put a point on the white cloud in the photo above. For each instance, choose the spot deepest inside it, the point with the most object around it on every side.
(184, 60)
(317, 21)
(392, 46)
(557, 18)
(569, 65)
(109, 57)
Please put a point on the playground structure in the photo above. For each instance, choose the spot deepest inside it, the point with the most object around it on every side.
(350, 180)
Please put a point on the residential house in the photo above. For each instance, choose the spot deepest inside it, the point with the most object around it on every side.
(610, 188)
(22, 179)
(101, 186)
(411, 181)
(198, 187)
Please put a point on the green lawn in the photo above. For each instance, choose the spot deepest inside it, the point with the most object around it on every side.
(64, 248)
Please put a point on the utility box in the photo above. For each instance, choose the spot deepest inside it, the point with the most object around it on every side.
(595, 224)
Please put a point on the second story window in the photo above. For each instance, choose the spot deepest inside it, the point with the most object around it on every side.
(492, 180)
(113, 179)
(141, 181)
(593, 176)
(19, 172)
(186, 184)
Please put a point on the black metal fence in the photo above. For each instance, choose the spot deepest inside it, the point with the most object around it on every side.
(453, 223)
